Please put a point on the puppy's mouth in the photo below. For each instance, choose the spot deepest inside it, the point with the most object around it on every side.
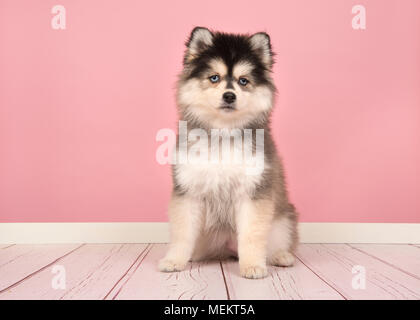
(228, 107)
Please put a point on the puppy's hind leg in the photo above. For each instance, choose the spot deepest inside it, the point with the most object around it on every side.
(185, 224)
(282, 241)
(211, 245)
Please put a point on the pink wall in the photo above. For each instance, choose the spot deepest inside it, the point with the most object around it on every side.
(80, 108)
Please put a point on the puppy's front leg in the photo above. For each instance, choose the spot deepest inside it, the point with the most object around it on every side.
(253, 224)
(185, 224)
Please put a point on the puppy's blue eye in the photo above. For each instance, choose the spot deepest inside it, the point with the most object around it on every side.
(243, 81)
(214, 78)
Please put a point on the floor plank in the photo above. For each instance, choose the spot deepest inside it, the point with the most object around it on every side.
(143, 281)
(5, 246)
(129, 271)
(20, 261)
(293, 283)
(400, 256)
(334, 263)
(91, 272)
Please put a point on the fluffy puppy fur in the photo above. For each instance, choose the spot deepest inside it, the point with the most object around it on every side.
(218, 210)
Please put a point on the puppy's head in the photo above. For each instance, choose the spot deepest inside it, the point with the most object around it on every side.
(226, 79)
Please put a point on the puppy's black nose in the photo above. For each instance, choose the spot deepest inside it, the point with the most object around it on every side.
(229, 97)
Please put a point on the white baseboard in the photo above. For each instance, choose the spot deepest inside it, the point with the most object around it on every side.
(157, 232)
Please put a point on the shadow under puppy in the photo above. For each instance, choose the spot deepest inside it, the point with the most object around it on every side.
(218, 208)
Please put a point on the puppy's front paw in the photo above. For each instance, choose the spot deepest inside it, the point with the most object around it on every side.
(253, 272)
(169, 265)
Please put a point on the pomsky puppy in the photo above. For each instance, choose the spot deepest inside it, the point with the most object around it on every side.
(218, 209)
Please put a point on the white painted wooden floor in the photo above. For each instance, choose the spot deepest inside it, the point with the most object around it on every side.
(128, 271)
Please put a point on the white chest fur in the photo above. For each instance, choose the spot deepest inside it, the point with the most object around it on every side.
(219, 187)
(221, 171)
(208, 178)
(220, 178)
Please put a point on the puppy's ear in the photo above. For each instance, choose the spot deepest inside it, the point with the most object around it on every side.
(260, 42)
(200, 39)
